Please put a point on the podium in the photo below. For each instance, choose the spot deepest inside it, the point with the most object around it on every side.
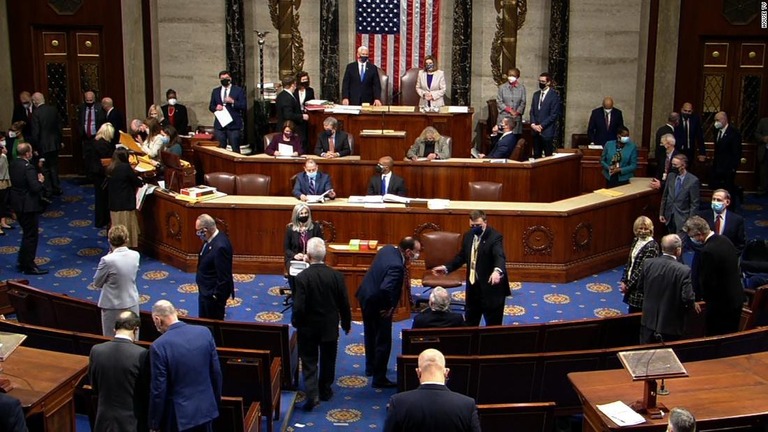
(649, 366)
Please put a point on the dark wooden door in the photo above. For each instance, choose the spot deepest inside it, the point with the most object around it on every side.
(68, 62)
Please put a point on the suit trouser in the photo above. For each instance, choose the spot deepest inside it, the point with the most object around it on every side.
(109, 316)
(719, 321)
(378, 343)
(542, 145)
(482, 303)
(51, 171)
(208, 307)
(310, 344)
(231, 136)
(29, 223)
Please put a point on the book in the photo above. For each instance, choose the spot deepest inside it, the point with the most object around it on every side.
(8, 343)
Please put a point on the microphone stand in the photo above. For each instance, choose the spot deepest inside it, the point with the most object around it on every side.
(662, 391)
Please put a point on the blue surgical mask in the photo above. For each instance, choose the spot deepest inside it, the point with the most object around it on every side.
(312, 176)
(165, 140)
(718, 207)
(477, 230)
(624, 140)
(696, 242)
(201, 233)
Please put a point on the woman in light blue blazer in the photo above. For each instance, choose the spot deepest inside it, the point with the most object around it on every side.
(619, 159)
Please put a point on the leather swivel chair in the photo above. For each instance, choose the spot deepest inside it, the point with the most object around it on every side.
(223, 182)
(268, 139)
(522, 152)
(438, 248)
(253, 184)
(385, 87)
(408, 95)
(484, 191)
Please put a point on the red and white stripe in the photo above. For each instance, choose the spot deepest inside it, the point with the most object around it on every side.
(418, 37)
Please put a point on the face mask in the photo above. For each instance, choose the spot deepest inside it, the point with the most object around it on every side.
(225, 82)
(287, 135)
(303, 219)
(2, 143)
(696, 242)
(624, 140)
(430, 67)
(429, 142)
(608, 110)
(12, 134)
(686, 116)
(542, 86)
(304, 84)
(312, 176)
(165, 140)
(201, 233)
(363, 59)
(172, 101)
(477, 230)
(511, 79)
(675, 170)
(718, 207)
(153, 115)
(718, 125)
(27, 104)
(415, 256)
(379, 168)
(329, 132)
(89, 104)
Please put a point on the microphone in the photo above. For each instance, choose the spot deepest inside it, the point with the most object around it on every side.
(663, 391)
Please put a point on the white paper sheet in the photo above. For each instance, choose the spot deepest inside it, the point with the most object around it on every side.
(223, 117)
(621, 414)
(285, 149)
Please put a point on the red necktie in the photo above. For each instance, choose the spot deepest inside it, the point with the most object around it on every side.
(171, 116)
(717, 224)
(88, 123)
(331, 146)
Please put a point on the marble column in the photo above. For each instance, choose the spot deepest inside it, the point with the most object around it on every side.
(558, 56)
(236, 41)
(329, 50)
(461, 63)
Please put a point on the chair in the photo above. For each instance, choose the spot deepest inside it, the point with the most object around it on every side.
(386, 90)
(758, 309)
(268, 138)
(484, 191)
(533, 417)
(438, 248)
(408, 95)
(754, 263)
(253, 184)
(521, 151)
(223, 182)
(449, 140)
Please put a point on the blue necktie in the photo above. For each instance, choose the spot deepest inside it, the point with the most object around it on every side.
(311, 186)
(678, 185)
(383, 185)
(362, 73)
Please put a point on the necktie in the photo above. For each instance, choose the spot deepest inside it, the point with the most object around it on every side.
(29, 112)
(226, 94)
(383, 185)
(88, 128)
(331, 145)
(362, 72)
(541, 99)
(607, 120)
(687, 134)
(473, 260)
(311, 186)
(720, 135)
(678, 185)
(205, 245)
(666, 166)
(171, 116)
(718, 223)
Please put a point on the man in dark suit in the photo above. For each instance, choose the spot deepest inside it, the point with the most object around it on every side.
(185, 387)
(727, 153)
(719, 278)
(90, 116)
(680, 199)
(361, 82)
(175, 113)
(667, 294)
(23, 112)
(312, 182)
(332, 142)
(432, 406)
(119, 374)
(319, 302)
(504, 144)
(378, 295)
(657, 148)
(26, 192)
(604, 123)
(487, 285)
(546, 110)
(231, 98)
(303, 91)
(214, 269)
(288, 108)
(385, 181)
(114, 116)
(46, 140)
(664, 164)
(438, 314)
(11, 414)
(690, 135)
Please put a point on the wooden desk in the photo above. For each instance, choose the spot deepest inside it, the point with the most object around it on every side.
(556, 242)
(44, 382)
(456, 126)
(372, 146)
(538, 181)
(727, 392)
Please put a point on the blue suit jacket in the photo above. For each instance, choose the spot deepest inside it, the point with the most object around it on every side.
(503, 146)
(186, 378)
(383, 283)
(322, 184)
(235, 110)
(214, 268)
(549, 113)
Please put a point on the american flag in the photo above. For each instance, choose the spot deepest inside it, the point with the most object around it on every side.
(398, 34)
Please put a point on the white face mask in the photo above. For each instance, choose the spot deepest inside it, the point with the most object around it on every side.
(511, 79)
(608, 110)
(718, 125)
(172, 101)
(12, 134)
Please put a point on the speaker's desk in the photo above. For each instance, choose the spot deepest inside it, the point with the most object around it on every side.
(556, 242)
(544, 180)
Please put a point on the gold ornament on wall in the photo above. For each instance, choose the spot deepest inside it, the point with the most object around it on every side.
(296, 60)
(504, 44)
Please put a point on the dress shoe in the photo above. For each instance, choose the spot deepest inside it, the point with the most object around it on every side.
(326, 396)
(384, 384)
(35, 271)
(310, 405)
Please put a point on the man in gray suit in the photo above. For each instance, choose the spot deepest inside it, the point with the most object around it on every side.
(681, 195)
(116, 278)
(119, 375)
(46, 140)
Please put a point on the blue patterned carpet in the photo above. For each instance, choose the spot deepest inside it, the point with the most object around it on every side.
(70, 247)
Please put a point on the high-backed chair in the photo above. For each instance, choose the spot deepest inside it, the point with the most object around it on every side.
(223, 182)
(449, 140)
(351, 143)
(484, 191)
(268, 138)
(386, 90)
(408, 95)
(253, 184)
(439, 247)
(521, 151)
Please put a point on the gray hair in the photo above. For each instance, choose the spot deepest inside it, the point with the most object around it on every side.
(295, 224)
(671, 243)
(316, 249)
(38, 98)
(681, 420)
(206, 221)
(439, 299)
(163, 308)
(668, 138)
(696, 225)
(331, 121)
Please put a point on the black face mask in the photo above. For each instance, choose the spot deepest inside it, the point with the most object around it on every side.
(379, 168)
(674, 170)
(303, 219)
(225, 81)
(329, 132)
(686, 116)
(89, 104)
(304, 84)
(542, 86)
(429, 142)
(363, 59)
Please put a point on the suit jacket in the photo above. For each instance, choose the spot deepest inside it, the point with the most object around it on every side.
(357, 91)
(431, 407)
(548, 114)
(659, 150)
(429, 318)
(25, 188)
(628, 161)
(180, 117)
(12, 417)
(437, 88)
(118, 122)
(98, 114)
(320, 301)
(308, 95)
(116, 277)
(661, 164)
(119, 374)
(727, 151)
(293, 244)
(46, 129)
(340, 144)
(235, 109)
(186, 378)
(288, 108)
(20, 114)
(383, 282)
(600, 133)
(692, 140)
(631, 276)
(720, 275)
(274, 145)
(503, 146)
(214, 268)
(683, 205)
(513, 97)
(93, 152)
(442, 149)
(122, 185)
(396, 185)
(301, 185)
(666, 287)
(733, 229)
(490, 255)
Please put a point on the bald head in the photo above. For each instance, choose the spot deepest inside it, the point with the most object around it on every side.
(721, 117)
(164, 315)
(38, 98)
(608, 103)
(107, 103)
(431, 361)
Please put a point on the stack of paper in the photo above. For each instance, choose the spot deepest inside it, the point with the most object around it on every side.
(621, 414)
